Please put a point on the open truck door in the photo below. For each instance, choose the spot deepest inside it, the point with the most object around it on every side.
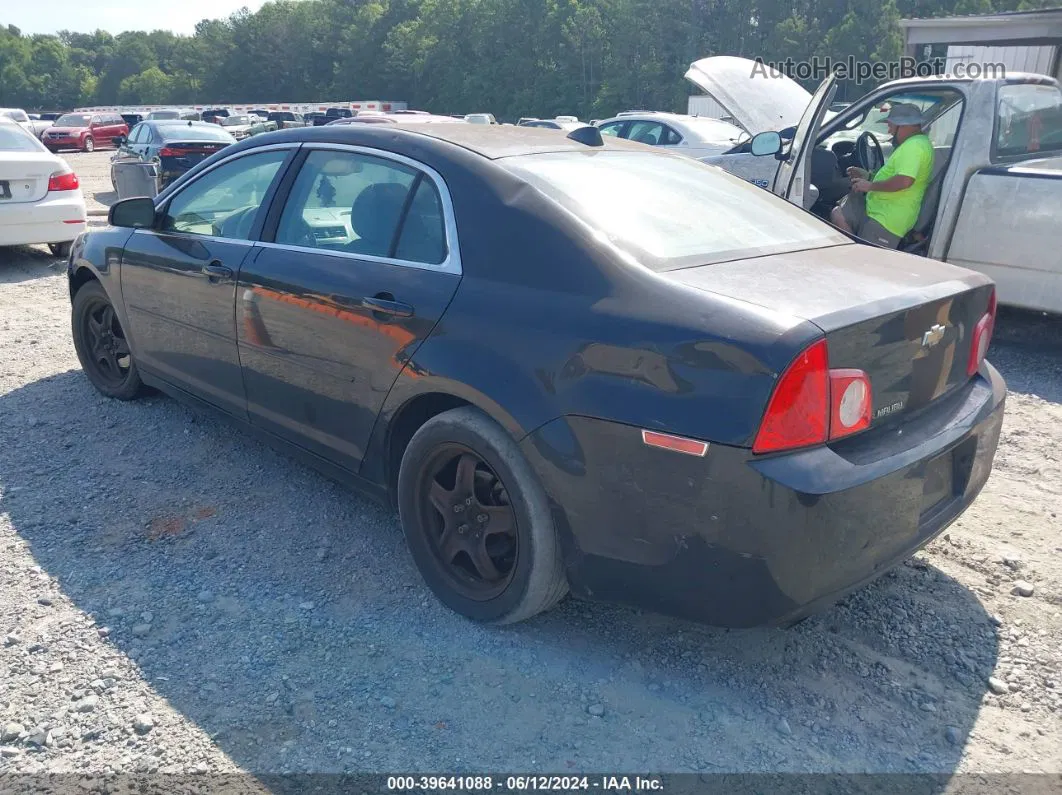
(793, 178)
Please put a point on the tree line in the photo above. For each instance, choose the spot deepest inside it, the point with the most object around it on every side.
(508, 57)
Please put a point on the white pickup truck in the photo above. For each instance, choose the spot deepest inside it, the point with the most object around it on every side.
(991, 136)
(35, 126)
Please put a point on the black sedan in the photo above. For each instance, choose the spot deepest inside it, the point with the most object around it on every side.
(570, 364)
(174, 145)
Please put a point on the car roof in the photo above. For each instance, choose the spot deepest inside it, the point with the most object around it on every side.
(492, 141)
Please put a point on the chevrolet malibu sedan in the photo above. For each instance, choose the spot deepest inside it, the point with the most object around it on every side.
(572, 364)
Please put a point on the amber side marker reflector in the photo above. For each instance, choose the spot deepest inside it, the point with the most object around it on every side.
(676, 443)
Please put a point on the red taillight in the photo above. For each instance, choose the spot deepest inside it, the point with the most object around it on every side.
(812, 404)
(797, 412)
(982, 336)
(168, 152)
(63, 181)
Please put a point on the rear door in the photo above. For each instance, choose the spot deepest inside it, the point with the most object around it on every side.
(360, 262)
(793, 178)
(179, 278)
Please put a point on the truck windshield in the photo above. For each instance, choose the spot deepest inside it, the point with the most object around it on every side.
(672, 212)
(1029, 119)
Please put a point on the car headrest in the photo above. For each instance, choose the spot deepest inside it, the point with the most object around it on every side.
(374, 216)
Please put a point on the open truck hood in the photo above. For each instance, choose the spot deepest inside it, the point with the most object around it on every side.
(758, 97)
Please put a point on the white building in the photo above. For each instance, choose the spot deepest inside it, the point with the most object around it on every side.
(1023, 41)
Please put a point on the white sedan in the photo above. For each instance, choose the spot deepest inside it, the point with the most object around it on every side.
(40, 196)
(690, 136)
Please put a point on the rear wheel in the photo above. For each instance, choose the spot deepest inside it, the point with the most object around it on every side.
(89, 145)
(102, 346)
(477, 521)
(60, 249)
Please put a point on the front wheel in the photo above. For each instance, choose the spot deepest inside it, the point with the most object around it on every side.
(102, 346)
(89, 145)
(477, 520)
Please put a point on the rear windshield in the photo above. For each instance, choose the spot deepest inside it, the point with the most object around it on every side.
(197, 132)
(14, 139)
(73, 120)
(672, 212)
(1029, 121)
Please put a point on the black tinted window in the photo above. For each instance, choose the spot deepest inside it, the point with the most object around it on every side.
(423, 237)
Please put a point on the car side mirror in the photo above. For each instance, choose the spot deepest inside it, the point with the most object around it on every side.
(766, 143)
(118, 140)
(135, 213)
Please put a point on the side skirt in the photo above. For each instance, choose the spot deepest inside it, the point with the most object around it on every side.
(342, 475)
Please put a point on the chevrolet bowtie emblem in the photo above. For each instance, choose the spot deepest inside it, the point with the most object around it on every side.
(933, 336)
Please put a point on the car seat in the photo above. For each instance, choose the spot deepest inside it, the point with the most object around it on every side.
(374, 217)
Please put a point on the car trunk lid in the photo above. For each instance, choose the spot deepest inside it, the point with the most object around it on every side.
(906, 321)
(24, 176)
(758, 97)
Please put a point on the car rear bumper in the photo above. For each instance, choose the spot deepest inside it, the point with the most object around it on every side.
(42, 222)
(738, 540)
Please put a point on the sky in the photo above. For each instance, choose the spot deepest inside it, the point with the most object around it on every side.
(115, 16)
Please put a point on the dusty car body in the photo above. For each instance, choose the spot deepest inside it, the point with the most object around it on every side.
(992, 204)
(564, 373)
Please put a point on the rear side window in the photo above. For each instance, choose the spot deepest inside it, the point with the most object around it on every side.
(1028, 120)
(354, 203)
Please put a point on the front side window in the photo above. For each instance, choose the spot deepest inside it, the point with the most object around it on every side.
(933, 103)
(225, 201)
(672, 212)
(360, 204)
(137, 136)
(613, 130)
(1029, 120)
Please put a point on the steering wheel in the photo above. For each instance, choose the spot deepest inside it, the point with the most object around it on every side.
(868, 152)
(238, 225)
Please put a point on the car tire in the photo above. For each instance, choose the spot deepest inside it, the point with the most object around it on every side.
(112, 372)
(88, 145)
(60, 249)
(447, 528)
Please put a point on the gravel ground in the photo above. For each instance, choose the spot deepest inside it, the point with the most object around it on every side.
(177, 597)
(94, 172)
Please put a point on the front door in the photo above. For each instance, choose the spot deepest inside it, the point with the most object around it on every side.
(179, 278)
(362, 263)
(793, 178)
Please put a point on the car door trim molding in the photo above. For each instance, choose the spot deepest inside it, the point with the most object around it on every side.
(452, 262)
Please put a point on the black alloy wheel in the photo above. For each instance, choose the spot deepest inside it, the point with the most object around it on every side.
(472, 527)
(477, 520)
(102, 346)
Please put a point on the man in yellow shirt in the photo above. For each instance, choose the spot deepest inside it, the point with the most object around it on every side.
(884, 207)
